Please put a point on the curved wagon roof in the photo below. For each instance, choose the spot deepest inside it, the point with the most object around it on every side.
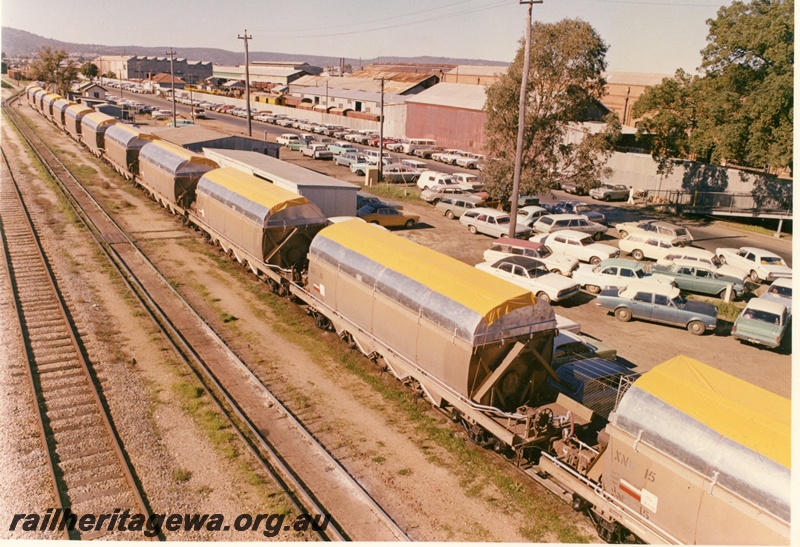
(714, 422)
(96, 121)
(174, 159)
(127, 135)
(471, 304)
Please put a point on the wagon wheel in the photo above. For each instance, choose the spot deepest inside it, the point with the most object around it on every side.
(623, 314)
(696, 327)
(322, 322)
(475, 433)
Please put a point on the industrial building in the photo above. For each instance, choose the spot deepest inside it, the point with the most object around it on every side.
(196, 137)
(140, 67)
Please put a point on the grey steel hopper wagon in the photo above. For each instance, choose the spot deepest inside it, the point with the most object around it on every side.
(170, 173)
(93, 130)
(123, 144)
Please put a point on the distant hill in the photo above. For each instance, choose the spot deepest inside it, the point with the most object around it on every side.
(20, 43)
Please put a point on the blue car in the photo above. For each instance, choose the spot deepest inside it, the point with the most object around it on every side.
(660, 303)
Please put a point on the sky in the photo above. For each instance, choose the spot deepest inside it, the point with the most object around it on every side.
(654, 36)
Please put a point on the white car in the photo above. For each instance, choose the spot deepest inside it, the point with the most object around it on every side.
(554, 262)
(641, 245)
(780, 291)
(578, 245)
(491, 222)
(468, 181)
(614, 273)
(760, 263)
(704, 258)
(529, 214)
(656, 227)
(579, 223)
(532, 274)
(470, 160)
(289, 138)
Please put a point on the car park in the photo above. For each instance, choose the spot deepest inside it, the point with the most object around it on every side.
(578, 245)
(659, 303)
(678, 233)
(762, 322)
(576, 208)
(607, 192)
(646, 245)
(491, 222)
(693, 277)
(760, 263)
(532, 274)
(389, 217)
(554, 262)
(547, 224)
(780, 291)
(456, 205)
(610, 273)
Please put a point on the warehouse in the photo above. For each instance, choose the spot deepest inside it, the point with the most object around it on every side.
(195, 138)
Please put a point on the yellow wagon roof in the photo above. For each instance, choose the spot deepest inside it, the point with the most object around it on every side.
(482, 293)
(734, 408)
(271, 197)
(100, 119)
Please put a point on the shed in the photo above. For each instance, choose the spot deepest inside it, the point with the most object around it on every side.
(171, 173)
(197, 137)
(271, 224)
(93, 129)
(333, 196)
(123, 143)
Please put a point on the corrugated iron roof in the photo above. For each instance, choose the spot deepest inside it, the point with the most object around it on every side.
(333, 93)
(478, 70)
(355, 84)
(468, 97)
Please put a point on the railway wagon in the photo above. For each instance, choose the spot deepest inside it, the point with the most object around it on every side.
(57, 116)
(93, 130)
(47, 104)
(72, 119)
(691, 455)
(30, 91)
(170, 174)
(472, 343)
(254, 221)
(123, 144)
(37, 98)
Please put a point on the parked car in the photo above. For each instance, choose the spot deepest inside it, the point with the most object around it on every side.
(760, 263)
(431, 178)
(592, 382)
(348, 159)
(532, 274)
(554, 262)
(660, 227)
(660, 303)
(569, 347)
(342, 147)
(610, 273)
(415, 164)
(436, 192)
(529, 214)
(578, 245)
(606, 192)
(470, 160)
(490, 222)
(522, 201)
(290, 138)
(576, 208)
(317, 151)
(548, 224)
(360, 168)
(363, 199)
(397, 146)
(642, 245)
(448, 156)
(389, 217)
(456, 205)
(762, 322)
(396, 172)
(693, 277)
(575, 188)
(780, 291)
(468, 181)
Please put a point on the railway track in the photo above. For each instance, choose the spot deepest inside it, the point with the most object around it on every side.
(292, 456)
(89, 467)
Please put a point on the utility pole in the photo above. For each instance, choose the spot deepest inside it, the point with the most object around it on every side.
(523, 101)
(171, 54)
(380, 138)
(247, 82)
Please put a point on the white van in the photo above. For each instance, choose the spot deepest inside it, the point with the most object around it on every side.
(418, 144)
(429, 179)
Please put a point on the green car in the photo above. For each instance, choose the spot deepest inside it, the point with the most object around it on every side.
(762, 322)
(690, 275)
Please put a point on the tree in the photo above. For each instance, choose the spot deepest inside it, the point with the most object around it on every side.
(565, 82)
(89, 69)
(54, 67)
(740, 109)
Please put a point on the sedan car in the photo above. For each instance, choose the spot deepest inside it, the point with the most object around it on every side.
(348, 159)
(491, 222)
(693, 277)
(529, 214)
(762, 322)
(572, 187)
(553, 223)
(760, 263)
(454, 206)
(780, 291)
(605, 192)
(389, 217)
(611, 273)
(532, 274)
(678, 233)
(577, 245)
(396, 172)
(653, 246)
(660, 303)
(576, 208)
(556, 263)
